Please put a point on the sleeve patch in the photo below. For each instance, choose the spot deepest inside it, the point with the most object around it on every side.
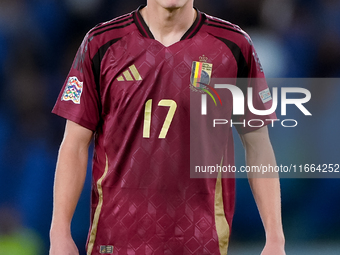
(265, 95)
(73, 90)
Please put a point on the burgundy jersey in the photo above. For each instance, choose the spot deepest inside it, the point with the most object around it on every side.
(137, 96)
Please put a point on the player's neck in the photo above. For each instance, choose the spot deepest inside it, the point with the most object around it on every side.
(168, 25)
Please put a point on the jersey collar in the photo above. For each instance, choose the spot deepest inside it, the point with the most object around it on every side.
(145, 31)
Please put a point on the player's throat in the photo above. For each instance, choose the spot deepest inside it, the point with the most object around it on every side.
(168, 26)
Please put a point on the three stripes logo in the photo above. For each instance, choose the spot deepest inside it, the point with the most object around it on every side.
(131, 74)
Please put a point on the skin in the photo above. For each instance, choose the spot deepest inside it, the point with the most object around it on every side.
(68, 184)
(266, 191)
(168, 21)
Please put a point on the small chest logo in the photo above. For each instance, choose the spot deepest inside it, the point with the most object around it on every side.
(106, 249)
(131, 74)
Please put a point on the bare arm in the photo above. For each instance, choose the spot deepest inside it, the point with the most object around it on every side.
(69, 180)
(266, 191)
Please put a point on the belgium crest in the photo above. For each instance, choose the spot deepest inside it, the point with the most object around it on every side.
(200, 73)
(200, 78)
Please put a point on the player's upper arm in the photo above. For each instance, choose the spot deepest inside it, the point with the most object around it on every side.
(256, 139)
(76, 136)
(259, 151)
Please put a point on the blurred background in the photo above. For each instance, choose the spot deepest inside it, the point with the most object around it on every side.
(38, 41)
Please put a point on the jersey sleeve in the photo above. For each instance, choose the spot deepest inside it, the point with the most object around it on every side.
(261, 95)
(78, 100)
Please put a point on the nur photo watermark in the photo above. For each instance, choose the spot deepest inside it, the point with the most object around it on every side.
(290, 108)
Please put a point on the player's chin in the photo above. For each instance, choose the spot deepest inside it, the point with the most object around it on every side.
(174, 4)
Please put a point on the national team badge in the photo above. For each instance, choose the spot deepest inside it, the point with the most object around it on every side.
(200, 74)
(200, 78)
(73, 90)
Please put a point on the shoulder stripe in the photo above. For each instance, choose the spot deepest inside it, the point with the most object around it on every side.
(111, 28)
(226, 28)
(111, 23)
(219, 21)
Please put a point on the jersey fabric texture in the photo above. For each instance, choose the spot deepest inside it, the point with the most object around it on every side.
(135, 94)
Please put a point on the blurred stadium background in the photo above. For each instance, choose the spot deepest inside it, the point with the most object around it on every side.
(38, 40)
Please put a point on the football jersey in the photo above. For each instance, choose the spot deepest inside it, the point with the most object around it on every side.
(142, 100)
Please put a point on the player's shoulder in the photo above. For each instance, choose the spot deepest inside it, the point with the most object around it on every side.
(113, 28)
(108, 33)
(225, 30)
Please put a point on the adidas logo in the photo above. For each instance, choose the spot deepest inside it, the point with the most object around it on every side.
(131, 74)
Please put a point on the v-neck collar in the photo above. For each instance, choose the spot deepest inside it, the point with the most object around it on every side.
(145, 31)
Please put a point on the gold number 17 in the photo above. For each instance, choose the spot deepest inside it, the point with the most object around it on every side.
(166, 125)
